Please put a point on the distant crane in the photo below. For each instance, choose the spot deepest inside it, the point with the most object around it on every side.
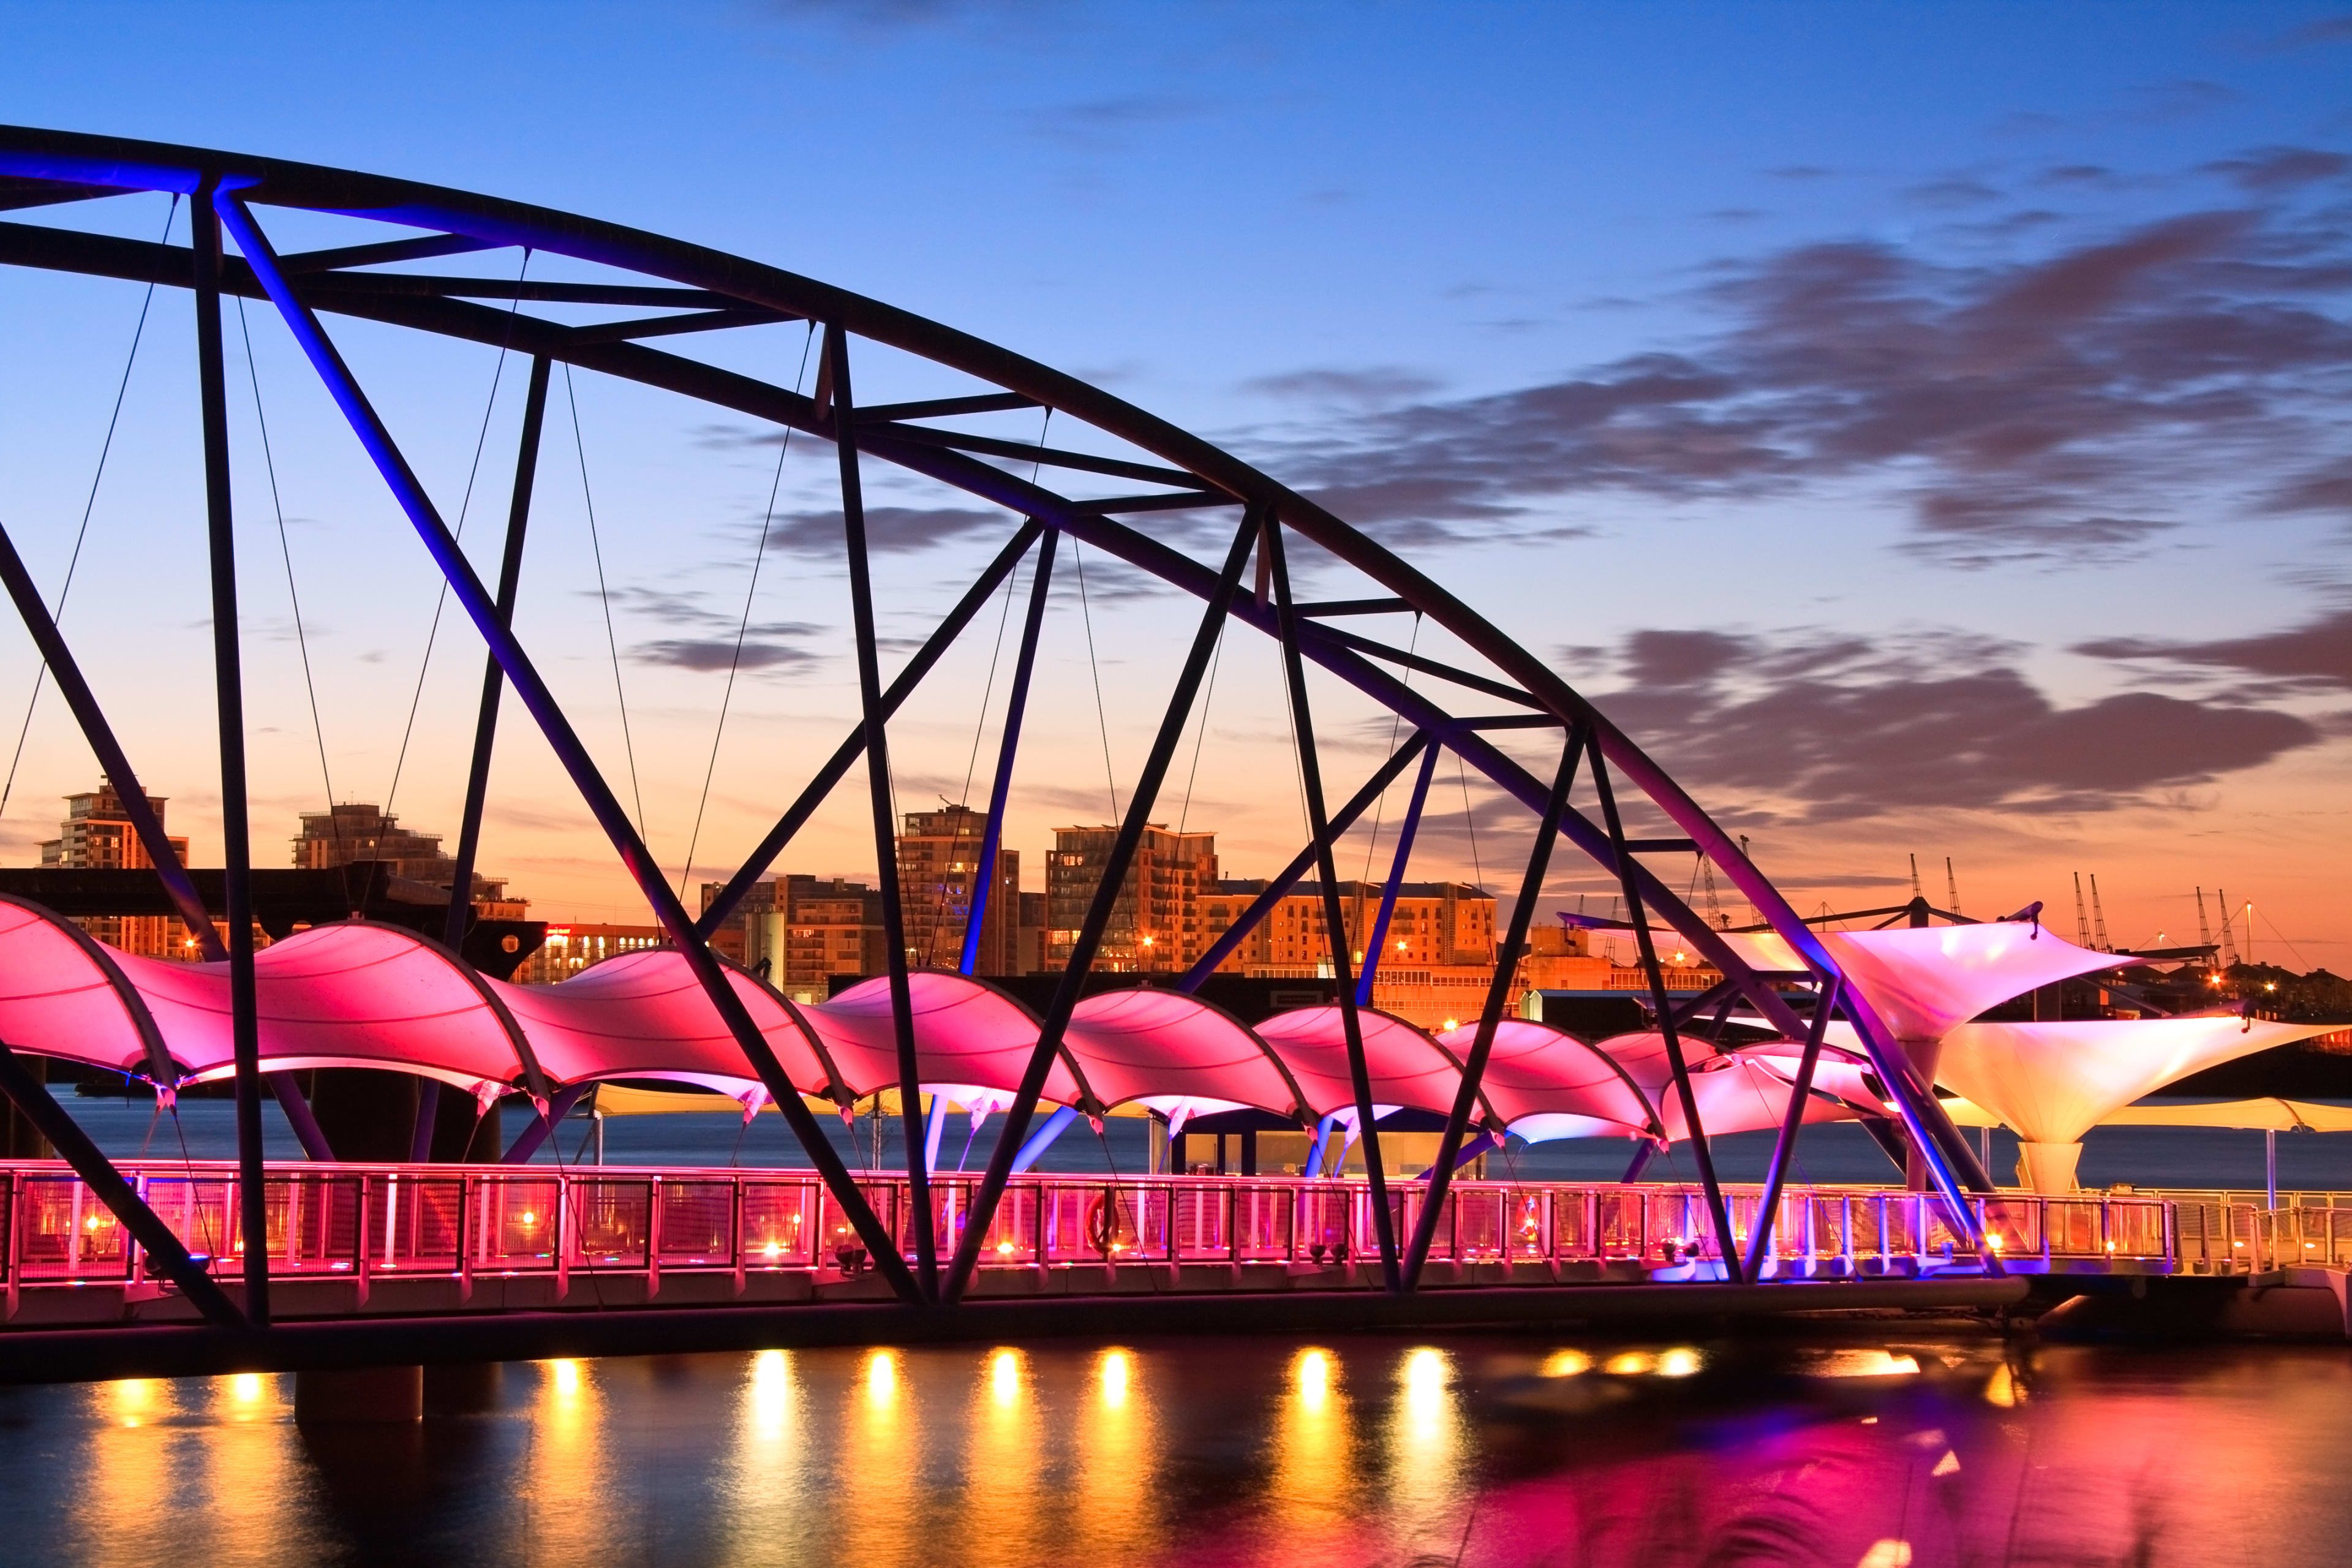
(2204, 932)
(2082, 915)
(2229, 944)
(2098, 916)
(1753, 918)
(1714, 915)
(1951, 887)
(1914, 878)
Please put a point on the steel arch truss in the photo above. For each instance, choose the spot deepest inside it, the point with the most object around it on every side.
(698, 291)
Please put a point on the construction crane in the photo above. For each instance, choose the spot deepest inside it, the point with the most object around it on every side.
(1714, 915)
(2229, 943)
(2098, 916)
(2204, 930)
(1951, 887)
(1752, 916)
(2082, 915)
(1914, 878)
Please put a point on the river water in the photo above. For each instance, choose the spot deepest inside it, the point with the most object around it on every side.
(1902, 1444)
(1887, 1443)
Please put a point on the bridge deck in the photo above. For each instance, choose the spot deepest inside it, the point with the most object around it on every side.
(349, 1241)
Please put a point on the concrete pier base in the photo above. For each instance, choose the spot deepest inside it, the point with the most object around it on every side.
(359, 1395)
(462, 1387)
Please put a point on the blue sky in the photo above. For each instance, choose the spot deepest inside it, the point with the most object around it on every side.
(1922, 426)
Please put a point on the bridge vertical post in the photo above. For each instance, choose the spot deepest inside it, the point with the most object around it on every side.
(1303, 862)
(1016, 703)
(1335, 928)
(1376, 947)
(1498, 993)
(886, 822)
(486, 722)
(1726, 1244)
(532, 689)
(1017, 1115)
(1768, 1206)
(813, 794)
(229, 687)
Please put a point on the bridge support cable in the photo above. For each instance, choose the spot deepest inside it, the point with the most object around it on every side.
(539, 701)
(1016, 703)
(834, 377)
(1498, 995)
(163, 1249)
(485, 722)
(1767, 1205)
(1726, 1244)
(1335, 927)
(1376, 947)
(902, 686)
(1057, 1021)
(1303, 862)
(228, 686)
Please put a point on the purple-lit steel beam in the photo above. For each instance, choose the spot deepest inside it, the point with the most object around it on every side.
(1009, 1137)
(565, 742)
(1335, 926)
(1016, 704)
(1760, 1242)
(886, 824)
(486, 725)
(1726, 1244)
(111, 759)
(1377, 948)
(902, 686)
(1490, 1018)
(1280, 887)
(228, 689)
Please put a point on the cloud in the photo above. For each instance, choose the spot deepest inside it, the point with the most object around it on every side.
(1817, 726)
(2281, 168)
(1367, 387)
(890, 530)
(2315, 656)
(1095, 123)
(714, 639)
(2076, 403)
(689, 653)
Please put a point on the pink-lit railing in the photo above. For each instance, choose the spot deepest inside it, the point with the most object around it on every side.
(377, 1223)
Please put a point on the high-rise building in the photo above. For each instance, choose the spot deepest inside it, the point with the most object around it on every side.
(796, 932)
(1439, 951)
(569, 949)
(938, 874)
(97, 835)
(352, 831)
(1155, 925)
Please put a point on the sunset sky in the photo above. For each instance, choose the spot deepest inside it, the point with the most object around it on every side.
(1925, 429)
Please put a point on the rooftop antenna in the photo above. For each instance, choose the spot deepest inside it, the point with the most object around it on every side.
(2082, 916)
(1951, 886)
(2229, 944)
(2098, 915)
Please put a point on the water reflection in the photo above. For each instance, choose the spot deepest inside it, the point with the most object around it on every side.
(1426, 1477)
(1310, 1455)
(1490, 1451)
(1116, 1495)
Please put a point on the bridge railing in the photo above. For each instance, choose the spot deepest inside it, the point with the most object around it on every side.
(375, 1222)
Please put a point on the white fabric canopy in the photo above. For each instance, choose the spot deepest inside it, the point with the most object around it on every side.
(2053, 1082)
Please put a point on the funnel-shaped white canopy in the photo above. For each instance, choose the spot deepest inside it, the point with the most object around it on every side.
(1923, 980)
(2053, 1082)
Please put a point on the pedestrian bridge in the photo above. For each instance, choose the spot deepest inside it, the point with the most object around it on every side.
(362, 1241)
